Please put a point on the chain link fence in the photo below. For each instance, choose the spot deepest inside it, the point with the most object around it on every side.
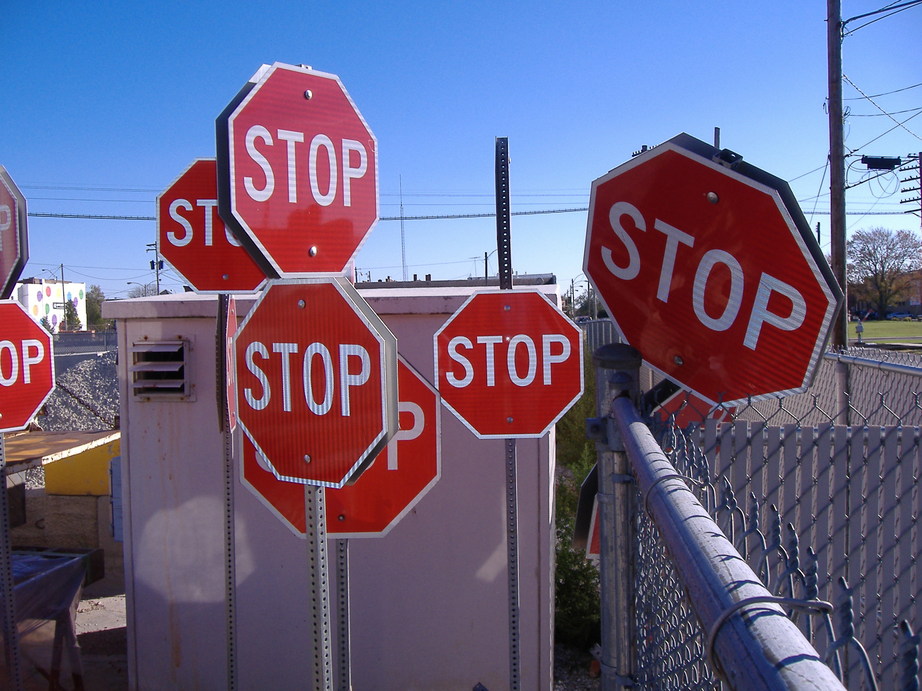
(820, 494)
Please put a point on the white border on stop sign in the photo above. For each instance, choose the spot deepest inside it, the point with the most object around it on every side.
(389, 365)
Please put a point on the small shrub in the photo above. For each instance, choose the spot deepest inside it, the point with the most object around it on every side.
(576, 587)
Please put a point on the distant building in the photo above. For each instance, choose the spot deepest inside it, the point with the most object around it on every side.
(45, 298)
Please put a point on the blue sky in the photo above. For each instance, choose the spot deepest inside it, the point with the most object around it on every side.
(105, 103)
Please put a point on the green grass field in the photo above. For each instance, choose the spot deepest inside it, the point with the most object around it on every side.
(895, 331)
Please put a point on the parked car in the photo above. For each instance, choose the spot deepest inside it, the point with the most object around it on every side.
(900, 316)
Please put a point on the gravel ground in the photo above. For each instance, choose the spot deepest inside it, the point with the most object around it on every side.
(574, 670)
(85, 397)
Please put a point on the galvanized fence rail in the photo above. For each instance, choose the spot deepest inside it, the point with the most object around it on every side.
(819, 510)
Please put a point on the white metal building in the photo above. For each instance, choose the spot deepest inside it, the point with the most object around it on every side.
(45, 298)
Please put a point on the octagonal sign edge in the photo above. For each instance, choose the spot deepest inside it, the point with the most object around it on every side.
(302, 192)
(26, 366)
(14, 235)
(677, 264)
(401, 475)
(316, 380)
(193, 239)
(500, 382)
(286, 499)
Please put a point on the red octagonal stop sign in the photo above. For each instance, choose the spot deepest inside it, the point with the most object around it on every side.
(14, 238)
(191, 235)
(297, 171)
(392, 485)
(509, 363)
(316, 381)
(26, 366)
(709, 269)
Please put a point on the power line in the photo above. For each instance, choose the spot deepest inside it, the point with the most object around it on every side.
(433, 217)
(890, 9)
(886, 93)
(880, 115)
(871, 101)
(92, 217)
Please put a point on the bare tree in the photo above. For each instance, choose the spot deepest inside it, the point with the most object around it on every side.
(880, 262)
(141, 290)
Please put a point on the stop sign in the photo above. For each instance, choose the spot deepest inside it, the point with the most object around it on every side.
(709, 269)
(191, 235)
(297, 171)
(14, 239)
(509, 363)
(26, 366)
(401, 474)
(316, 380)
(394, 483)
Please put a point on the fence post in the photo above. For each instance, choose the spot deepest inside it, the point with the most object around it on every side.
(617, 372)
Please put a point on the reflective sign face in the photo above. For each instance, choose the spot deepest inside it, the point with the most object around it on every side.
(509, 363)
(26, 366)
(301, 182)
(316, 380)
(395, 482)
(191, 235)
(14, 240)
(706, 273)
(401, 474)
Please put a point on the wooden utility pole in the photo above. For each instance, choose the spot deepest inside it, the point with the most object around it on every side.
(839, 338)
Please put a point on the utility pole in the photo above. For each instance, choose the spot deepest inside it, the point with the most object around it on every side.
(836, 163)
(64, 300)
(403, 239)
(156, 264)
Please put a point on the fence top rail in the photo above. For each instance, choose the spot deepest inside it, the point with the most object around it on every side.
(751, 638)
(875, 363)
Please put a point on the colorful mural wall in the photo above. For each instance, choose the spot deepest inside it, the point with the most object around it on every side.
(44, 299)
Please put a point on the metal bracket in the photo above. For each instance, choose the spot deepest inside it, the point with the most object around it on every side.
(604, 431)
(727, 158)
(596, 430)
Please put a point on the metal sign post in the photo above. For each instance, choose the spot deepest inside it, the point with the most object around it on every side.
(504, 262)
(318, 573)
(343, 636)
(10, 635)
(227, 322)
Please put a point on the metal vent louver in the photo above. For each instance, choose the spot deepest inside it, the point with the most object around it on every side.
(159, 370)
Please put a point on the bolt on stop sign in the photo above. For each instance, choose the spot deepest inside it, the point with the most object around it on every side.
(509, 363)
(709, 269)
(297, 171)
(316, 381)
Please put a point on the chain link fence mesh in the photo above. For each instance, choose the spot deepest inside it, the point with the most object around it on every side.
(820, 493)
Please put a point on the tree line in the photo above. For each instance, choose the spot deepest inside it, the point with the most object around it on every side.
(883, 270)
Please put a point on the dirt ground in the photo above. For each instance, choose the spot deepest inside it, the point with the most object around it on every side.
(101, 634)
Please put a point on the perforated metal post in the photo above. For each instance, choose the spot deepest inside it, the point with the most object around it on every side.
(617, 372)
(503, 215)
(10, 635)
(230, 558)
(504, 262)
(343, 623)
(230, 575)
(318, 573)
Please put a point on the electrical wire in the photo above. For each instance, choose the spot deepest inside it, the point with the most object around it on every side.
(896, 9)
(886, 93)
(872, 102)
